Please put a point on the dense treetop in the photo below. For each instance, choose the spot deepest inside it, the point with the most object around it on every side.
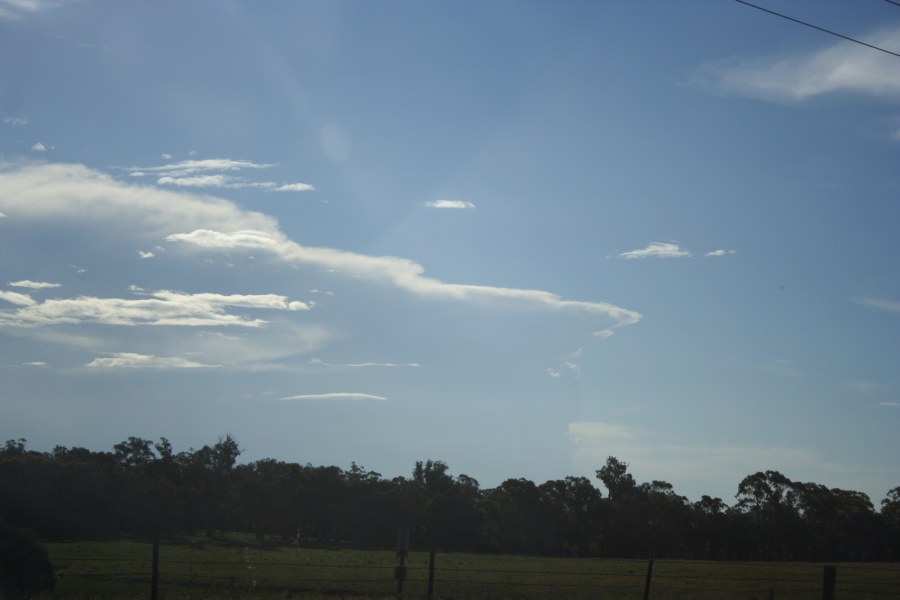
(147, 489)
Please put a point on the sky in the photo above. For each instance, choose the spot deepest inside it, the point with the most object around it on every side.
(518, 237)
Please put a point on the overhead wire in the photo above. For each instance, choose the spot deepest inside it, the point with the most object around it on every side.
(840, 35)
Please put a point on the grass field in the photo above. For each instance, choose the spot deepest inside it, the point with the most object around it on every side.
(238, 567)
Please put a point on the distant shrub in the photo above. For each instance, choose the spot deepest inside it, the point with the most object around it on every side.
(25, 570)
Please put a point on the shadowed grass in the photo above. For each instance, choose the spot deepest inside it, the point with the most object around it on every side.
(239, 567)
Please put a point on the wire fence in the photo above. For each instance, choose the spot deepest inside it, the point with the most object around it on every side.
(300, 573)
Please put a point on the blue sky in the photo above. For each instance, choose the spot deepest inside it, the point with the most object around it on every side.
(518, 237)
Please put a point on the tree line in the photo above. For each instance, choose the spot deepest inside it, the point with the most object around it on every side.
(145, 488)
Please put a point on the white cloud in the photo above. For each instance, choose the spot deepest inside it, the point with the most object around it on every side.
(402, 273)
(16, 9)
(553, 373)
(35, 363)
(15, 121)
(189, 167)
(39, 147)
(293, 187)
(604, 333)
(131, 360)
(2, 216)
(145, 255)
(161, 308)
(17, 298)
(166, 156)
(449, 204)
(320, 362)
(887, 305)
(335, 396)
(74, 192)
(657, 249)
(34, 285)
(841, 67)
(214, 173)
(59, 191)
(720, 252)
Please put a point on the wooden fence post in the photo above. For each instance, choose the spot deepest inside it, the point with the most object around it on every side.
(431, 574)
(402, 551)
(154, 577)
(647, 582)
(829, 580)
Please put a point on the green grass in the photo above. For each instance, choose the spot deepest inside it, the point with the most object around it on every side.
(238, 567)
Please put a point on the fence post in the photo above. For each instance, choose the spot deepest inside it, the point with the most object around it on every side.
(828, 582)
(154, 577)
(647, 582)
(431, 574)
(402, 551)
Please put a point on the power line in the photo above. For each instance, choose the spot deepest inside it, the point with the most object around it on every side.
(894, 2)
(840, 35)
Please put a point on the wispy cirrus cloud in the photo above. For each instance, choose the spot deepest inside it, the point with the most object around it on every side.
(34, 285)
(355, 396)
(449, 204)
(840, 67)
(131, 360)
(888, 305)
(214, 173)
(161, 308)
(657, 250)
(320, 362)
(720, 252)
(15, 121)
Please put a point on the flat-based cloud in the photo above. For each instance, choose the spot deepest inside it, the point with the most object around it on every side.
(658, 250)
(449, 204)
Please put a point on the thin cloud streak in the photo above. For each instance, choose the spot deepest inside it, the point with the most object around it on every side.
(354, 396)
(402, 273)
(887, 305)
(131, 360)
(320, 362)
(211, 173)
(34, 285)
(162, 308)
